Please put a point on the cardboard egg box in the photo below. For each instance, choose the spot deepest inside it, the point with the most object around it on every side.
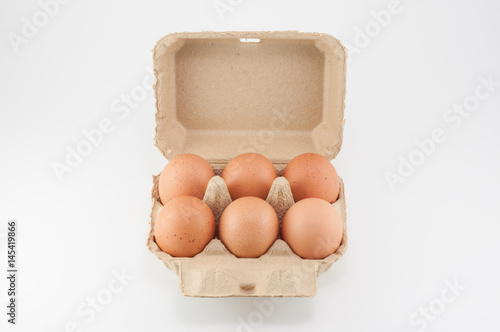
(221, 94)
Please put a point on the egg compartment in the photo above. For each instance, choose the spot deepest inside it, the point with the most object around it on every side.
(221, 94)
(280, 272)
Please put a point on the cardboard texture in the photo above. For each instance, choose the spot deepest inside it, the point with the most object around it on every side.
(220, 94)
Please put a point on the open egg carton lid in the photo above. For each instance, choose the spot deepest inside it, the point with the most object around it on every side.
(220, 94)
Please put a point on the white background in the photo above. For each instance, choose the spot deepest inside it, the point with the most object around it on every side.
(441, 223)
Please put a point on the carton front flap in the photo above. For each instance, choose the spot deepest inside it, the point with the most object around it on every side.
(279, 94)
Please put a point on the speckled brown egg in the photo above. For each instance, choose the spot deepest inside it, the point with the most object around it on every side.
(249, 174)
(312, 228)
(248, 227)
(185, 175)
(312, 176)
(184, 226)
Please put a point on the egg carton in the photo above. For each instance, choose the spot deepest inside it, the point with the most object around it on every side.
(221, 94)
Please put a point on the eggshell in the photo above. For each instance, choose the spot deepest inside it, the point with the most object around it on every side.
(184, 226)
(185, 175)
(312, 228)
(248, 227)
(312, 176)
(249, 174)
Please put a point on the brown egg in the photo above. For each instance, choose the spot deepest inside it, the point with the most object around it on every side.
(249, 174)
(312, 228)
(184, 226)
(185, 175)
(248, 227)
(312, 176)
